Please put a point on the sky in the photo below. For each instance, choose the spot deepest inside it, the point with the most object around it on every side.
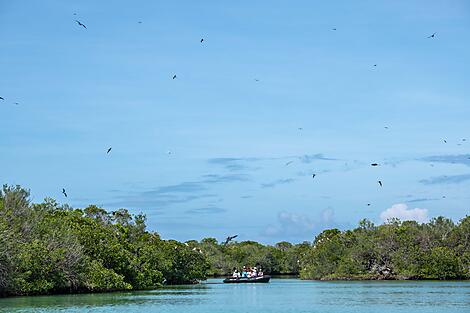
(276, 92)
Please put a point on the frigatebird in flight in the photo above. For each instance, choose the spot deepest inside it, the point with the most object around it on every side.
(80, 24)
(63, 191)
(229, 238)
(109, 150)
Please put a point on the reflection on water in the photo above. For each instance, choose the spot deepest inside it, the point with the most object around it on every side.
(281, 295)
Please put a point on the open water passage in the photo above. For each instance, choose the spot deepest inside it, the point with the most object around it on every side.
(280, 295)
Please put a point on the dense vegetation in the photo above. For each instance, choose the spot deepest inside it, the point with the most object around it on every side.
(48, 248)
(395, 250)
(282, 258)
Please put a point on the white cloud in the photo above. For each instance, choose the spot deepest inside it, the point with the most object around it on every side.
(298, 226)
(401, 211)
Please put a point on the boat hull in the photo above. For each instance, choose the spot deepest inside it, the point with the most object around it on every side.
(263, 279)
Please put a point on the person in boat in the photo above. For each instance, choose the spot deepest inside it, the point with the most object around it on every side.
(244, 272)
(236, 273)
(254, 272)
(260, 273)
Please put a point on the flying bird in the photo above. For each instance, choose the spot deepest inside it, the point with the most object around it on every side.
(313, 175)
(16, 103)
(300, 128)
(289, 163)
(374, 164)
(368, 204)
(380, 183)
(1, 98)
(174, 76)
(432, 36)
(63, 191)
(202, 39)
(386, 127)
(80, 24)
(256, 80)
(229, 238)
(445, 141)
(333, 29)
(375, 65)
(109, 150)
(140, 22)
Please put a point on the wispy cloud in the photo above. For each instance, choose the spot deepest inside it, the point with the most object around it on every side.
(242, 163)
(422, 200)
(278, 182)
(401, 211)
(452, 179)
(309, 158)
(174, 194)
(233, 164)
(206, 210)
(297, 226)
(216, 179)
(450, 159)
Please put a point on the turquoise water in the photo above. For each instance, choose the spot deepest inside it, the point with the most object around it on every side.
(280, 295)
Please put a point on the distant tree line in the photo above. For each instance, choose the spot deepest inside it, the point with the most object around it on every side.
(51, 248)
(439, 249)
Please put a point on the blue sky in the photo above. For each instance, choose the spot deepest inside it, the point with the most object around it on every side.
(231, 118)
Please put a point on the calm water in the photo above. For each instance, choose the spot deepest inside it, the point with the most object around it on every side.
(280, 295)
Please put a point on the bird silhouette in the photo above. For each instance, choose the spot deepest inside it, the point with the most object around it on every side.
(140, 22)
(289, 163)
(256, 80)
(375, 65)
(1, 98)
(174, 76)
(300, 128)
(445, 141)
(16, 103)
(368, 204)
(109, 150)
(333, 29)
(229, 238)
(380, 183)
(374, 164)
(202, 39)
(63, 191)
(313, 175)
(80, 24)
(432, 36)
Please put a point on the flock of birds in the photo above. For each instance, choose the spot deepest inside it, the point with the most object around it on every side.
(230, 238)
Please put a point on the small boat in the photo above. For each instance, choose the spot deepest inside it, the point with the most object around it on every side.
(261, 279)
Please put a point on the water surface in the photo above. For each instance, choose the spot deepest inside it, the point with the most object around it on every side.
(280, 295)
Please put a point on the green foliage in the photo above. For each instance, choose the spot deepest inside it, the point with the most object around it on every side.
(47, 248)
(396, 250)
(282, 258)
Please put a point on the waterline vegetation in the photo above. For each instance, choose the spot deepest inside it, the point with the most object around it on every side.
(50, 248)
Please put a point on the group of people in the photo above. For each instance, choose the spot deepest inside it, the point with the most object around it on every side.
(247, 272)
